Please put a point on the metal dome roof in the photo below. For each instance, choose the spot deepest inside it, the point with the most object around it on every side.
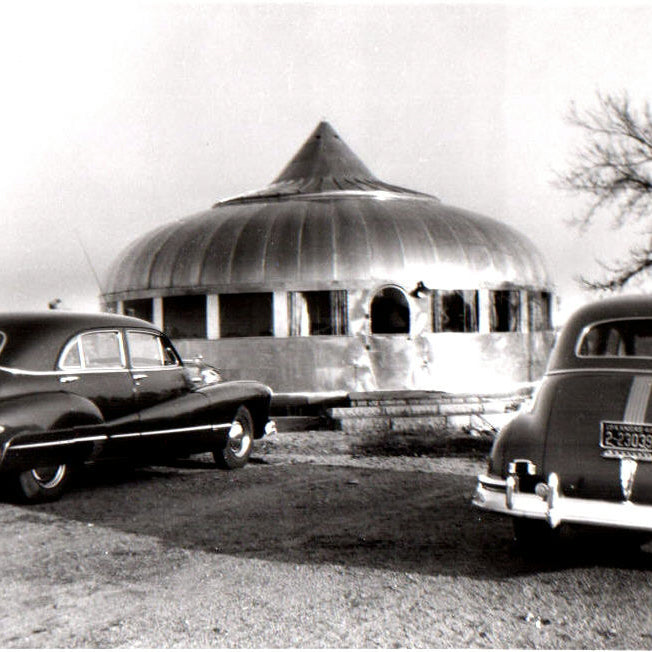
(326, 222)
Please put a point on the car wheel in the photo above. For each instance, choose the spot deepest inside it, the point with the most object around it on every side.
(237, 449)
(534, 535)
(43, 483)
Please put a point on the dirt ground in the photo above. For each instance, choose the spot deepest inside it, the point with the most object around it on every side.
(322, 541)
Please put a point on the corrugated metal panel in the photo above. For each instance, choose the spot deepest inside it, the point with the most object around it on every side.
(284, 247)
(342, 241)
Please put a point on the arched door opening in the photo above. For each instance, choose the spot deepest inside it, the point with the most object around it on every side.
(390, 312)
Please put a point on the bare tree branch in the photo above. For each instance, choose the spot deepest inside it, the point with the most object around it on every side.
(614, 169)
(617, 276)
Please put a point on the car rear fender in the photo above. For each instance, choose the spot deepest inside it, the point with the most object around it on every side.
(523, 438)
(225, 397)
(520, 439)
(47, 428)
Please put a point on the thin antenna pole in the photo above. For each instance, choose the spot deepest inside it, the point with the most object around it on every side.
(89, 261)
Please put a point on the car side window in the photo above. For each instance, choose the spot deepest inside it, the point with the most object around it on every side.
(101, 350)
(71, 356)
(149, 350)
(95, 350)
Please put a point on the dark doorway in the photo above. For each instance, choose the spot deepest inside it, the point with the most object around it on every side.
(390, 312)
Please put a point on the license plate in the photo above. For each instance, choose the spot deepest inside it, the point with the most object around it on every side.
(626, 440)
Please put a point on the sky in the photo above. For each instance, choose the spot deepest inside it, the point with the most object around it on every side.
(119, 117)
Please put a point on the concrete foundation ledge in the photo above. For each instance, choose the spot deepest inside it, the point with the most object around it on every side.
(399, 411)
(384, 410)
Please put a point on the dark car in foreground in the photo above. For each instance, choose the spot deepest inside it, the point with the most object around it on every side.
(582, 452)
(78, 388)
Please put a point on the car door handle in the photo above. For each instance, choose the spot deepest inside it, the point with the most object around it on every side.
(139, 376)
(68, 379)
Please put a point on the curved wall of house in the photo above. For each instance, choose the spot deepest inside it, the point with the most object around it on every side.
(479, 359)
(454, 362)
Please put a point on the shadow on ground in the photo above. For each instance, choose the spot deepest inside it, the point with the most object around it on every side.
(409, 521)
(454, 444)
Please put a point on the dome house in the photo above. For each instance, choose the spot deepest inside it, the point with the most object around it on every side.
(331, 279)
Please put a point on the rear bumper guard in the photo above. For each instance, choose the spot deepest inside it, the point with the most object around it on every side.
(549, 504)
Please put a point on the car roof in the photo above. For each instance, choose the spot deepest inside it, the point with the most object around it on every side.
(613, 308)
(35, 339)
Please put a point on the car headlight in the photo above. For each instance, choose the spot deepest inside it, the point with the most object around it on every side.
(210, 376)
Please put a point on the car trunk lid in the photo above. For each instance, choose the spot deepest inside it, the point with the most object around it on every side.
(599, 438)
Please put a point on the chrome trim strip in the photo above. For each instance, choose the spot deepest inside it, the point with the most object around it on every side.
(167, 367)
(62, 372)
(148, 433)
(610, 370)
(638, 399)
(67, 372)
(175, 430)
(62, 442)
(78, 440)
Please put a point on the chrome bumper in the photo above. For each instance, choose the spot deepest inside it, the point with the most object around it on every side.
(498, 495)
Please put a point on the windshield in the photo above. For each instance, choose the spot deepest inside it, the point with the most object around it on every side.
(621, 338)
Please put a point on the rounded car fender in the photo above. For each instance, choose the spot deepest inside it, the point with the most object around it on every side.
(519, 439)
(48, 429)
(46, 411)
(524, 437)
(227, 396)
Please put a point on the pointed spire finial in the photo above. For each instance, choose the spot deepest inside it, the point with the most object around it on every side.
(325, 154)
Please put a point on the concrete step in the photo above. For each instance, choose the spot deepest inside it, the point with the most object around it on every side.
(396, 411)
(399, 397)
(425, 424)
(387, 424)
(421, 409)
(383, 411)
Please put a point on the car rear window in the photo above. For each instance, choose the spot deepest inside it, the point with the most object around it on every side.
(622, 338)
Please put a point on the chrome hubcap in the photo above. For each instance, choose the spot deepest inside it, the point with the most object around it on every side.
(49, 477)
(239, 440)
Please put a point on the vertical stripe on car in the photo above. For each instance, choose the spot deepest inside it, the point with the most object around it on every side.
(638, 399)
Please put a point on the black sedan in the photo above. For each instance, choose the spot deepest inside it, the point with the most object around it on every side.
(77, 388)
(581, 452)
